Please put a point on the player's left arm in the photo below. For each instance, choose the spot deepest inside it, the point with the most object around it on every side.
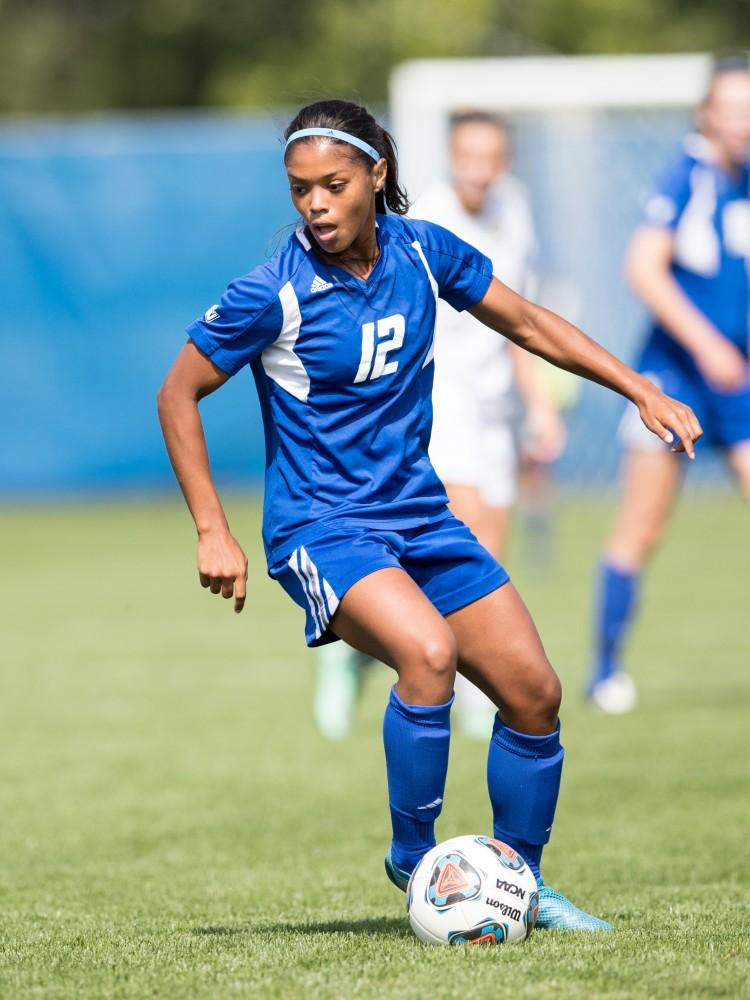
(548, 335)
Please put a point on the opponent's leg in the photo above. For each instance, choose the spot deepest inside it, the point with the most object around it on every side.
(339, 670)
(386, 615)
(650, 487)
(473, 711)
(488, 523)
(739, 461)
(499, 649)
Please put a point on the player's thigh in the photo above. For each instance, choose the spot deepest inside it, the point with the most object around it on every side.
(499, 650)
(388, 617)
(738, 457)
(650, 484)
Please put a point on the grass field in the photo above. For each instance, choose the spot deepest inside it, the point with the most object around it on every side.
(172, 826)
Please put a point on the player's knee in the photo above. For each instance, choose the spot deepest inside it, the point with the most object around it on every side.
(653, 534)
(437, 655)
(549, 693)
(533, 705)
(428, 670)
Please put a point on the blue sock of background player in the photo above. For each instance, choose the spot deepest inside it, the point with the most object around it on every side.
(616, 602)
(416, 740)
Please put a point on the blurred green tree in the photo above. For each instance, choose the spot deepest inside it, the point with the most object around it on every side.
(75, 55)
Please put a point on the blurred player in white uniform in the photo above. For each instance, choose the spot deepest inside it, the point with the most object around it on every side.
(488, 401)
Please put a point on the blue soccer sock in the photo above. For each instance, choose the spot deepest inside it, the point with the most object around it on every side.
(416, 739)
(615, 606)
(523, 779)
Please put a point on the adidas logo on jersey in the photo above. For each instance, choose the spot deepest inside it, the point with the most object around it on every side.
(318, 285)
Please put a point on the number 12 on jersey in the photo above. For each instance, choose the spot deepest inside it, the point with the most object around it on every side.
(375, 349)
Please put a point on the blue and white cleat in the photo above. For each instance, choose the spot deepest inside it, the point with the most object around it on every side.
(398, 876)
(557, 913)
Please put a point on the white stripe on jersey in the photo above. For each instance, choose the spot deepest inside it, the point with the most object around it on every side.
(278, 359)
(300, 234)
(434, 286)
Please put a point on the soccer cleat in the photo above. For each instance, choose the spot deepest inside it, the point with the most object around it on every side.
(398, 876)
(557, 913)
(615, 695)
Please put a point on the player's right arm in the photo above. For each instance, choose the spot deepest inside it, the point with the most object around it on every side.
(222, 565)
(648, 270)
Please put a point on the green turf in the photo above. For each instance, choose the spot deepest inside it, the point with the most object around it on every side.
(171, 825)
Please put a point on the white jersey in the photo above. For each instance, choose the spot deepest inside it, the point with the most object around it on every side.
(466, 352)
(475, 407)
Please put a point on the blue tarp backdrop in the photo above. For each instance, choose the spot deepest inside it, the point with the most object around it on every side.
(116, 232)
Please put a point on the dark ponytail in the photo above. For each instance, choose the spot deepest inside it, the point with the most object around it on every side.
(346, 116)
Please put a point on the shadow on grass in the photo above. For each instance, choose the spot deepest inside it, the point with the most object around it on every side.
(389, 926)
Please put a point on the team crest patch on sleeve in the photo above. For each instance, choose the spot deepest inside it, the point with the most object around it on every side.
(211, 314)
(453, 880)
(319, 285)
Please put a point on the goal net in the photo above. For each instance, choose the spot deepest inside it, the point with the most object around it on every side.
(588, 135)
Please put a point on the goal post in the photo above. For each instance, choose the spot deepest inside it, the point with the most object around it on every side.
(424, 91)
(588, 134)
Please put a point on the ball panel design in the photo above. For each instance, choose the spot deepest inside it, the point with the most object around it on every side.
(472, 890)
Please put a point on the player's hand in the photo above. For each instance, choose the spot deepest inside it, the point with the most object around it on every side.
(222, 566)
(545, 434)
(723, 365)
(667, 417)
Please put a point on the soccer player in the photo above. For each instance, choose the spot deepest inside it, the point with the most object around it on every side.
(337, 329)
(486, 393)
(688, 261)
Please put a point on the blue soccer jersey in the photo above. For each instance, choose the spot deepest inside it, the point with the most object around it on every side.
(343, 368)
(708, 211)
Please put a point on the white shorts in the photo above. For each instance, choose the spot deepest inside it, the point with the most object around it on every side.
(468, 448)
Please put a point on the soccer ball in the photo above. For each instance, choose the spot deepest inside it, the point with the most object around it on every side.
(472, 890)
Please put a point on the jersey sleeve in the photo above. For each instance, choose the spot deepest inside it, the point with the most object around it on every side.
(669, 194)
(237, 329)
(462, 273)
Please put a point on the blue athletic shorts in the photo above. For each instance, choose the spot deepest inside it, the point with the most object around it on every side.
(724, 416)
(443, 558)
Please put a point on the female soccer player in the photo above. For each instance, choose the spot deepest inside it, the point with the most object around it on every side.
(484, 389)
(337, 329)
(689, 261)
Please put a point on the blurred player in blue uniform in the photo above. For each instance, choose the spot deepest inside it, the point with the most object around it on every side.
(337, 330)
(688, 262)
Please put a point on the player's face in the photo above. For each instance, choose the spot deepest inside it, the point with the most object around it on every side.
(334, 192)
(479, 154)
(726, 116)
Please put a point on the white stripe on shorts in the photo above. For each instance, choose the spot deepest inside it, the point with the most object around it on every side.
(320, 595)
(295, 562)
